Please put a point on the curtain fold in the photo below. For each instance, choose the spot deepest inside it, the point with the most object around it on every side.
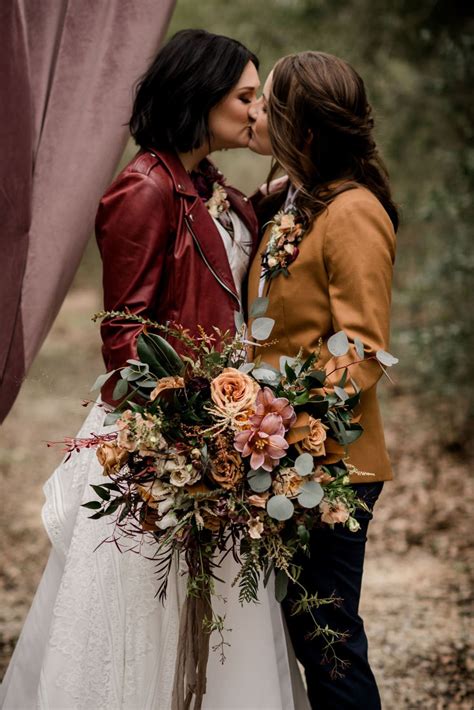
(68, 68)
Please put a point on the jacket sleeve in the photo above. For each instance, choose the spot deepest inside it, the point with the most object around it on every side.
(359, 253)
(133, 227)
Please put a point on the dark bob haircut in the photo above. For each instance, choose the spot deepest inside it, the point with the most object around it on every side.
(190, 75)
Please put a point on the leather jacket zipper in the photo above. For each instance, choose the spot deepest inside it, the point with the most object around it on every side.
(188, 225)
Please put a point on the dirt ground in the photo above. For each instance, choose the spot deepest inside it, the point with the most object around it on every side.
(417, 596)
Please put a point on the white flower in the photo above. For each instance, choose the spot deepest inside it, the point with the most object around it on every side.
(272, 262)
(160, 491)
(353, 524)
(168, 521)
(255, 527)
(289, 248)
(165, 505)
(185, 475)
(180, 477)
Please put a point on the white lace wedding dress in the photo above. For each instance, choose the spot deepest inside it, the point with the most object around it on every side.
(96, 637)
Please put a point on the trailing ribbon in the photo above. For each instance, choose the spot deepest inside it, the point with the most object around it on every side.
(192, 655)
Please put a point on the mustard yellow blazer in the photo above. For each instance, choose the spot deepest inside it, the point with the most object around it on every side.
(340, 280)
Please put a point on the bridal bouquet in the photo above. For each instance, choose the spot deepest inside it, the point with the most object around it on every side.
(213, 455)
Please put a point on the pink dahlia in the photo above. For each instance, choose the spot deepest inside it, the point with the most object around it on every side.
(264, 442)
(267, 403)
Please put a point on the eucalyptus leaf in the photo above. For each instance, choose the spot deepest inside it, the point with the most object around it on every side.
(341, 393)
(359, 346)
(386, 358)
(111, 418)
(138, 363)
(259, 481)
(311, 493)
(266, 374)
(101, 380)
(120, 389)
(262, 328)
(304, 465)
(280, 508)
(129, 374)
(259, 307)
(247, 367)
(338, 344)
(239, 320)
(281, 585)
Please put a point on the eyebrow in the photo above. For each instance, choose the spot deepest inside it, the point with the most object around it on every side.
(249, 88)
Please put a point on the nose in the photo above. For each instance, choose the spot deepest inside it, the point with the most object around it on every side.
(253, 111)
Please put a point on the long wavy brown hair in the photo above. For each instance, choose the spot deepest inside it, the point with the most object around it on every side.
(321, 131)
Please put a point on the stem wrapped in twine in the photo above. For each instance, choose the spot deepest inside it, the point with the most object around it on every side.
(192, 655)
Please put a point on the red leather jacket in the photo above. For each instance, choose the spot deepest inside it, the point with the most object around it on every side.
(163, 257)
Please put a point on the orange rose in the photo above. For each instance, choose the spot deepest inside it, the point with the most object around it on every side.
(210, 520)
(314, 441)
(166, 383)
(227, 470)
(234, 390)
(112, 457)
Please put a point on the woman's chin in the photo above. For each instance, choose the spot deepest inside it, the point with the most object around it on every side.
(255, 147)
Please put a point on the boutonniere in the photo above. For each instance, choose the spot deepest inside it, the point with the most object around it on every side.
(218, 203)
(282, 249)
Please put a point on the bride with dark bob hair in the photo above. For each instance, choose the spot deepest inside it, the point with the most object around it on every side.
(97, 636)
(335, 274)
(165, 256)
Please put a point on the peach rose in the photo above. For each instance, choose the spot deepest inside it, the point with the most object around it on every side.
(333, 512)
(234, 390)
(314, 441)
(259, 500)
(112, 457)
(166, 383)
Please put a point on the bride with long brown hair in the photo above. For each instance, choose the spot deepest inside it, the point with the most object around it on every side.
(326, 267)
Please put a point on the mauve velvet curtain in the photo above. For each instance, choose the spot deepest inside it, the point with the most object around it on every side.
(67, 68)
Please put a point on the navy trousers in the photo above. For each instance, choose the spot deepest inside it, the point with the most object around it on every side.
(335, 567)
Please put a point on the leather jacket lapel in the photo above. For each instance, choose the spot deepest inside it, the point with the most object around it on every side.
(210, 244)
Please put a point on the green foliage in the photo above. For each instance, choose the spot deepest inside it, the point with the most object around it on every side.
(249, 575)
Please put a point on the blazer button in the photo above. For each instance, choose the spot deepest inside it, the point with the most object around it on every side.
(191, 218)
(246, 199)
(180, 187)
